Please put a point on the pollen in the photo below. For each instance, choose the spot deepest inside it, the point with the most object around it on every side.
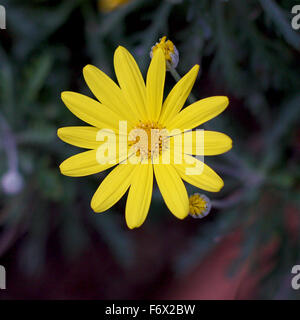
(148, 139)
(200, 205)
(170, 51)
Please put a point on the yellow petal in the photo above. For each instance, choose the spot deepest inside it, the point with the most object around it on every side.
(83, 164)
(139, 196)
(203, 142)
(105, 156)
(107, 91)
(199, 174)
(172, 189)
(131, 82)
(91, 111)
(198, 113)
(178, 95)
(112, 187)
(83, 137)
(155, 84)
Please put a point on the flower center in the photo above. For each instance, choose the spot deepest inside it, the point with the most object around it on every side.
(148, 139)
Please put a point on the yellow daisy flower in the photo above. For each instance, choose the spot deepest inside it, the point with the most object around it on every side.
(110, 5)
(141, 105)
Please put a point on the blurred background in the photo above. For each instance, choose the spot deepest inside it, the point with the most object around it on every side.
(51, 243)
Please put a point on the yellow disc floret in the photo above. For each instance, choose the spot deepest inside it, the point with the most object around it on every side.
(199, 205)
(148, 139)
(170, 51)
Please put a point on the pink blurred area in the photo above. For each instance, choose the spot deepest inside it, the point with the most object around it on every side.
(210, 280)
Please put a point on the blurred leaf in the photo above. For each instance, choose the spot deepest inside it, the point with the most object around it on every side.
(37, 74)
(117, 239)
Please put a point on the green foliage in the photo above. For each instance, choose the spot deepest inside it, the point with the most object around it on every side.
(246, 49)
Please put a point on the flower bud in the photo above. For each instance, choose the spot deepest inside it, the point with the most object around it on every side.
(200, 205)
(170, 51)
(12, 182)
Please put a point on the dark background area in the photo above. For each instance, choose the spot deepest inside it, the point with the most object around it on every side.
(51, 243)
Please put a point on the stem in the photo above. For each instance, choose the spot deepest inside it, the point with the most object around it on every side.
(229, 201)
